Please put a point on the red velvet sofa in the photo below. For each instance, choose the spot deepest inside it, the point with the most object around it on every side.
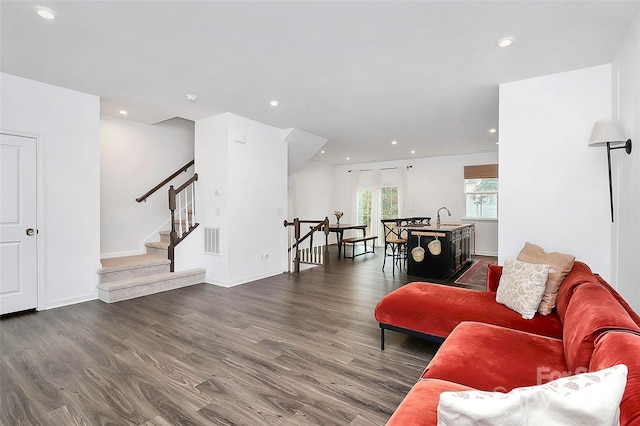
(489, 347)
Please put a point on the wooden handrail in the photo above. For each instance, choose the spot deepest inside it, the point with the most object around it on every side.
(323, 225)
(166, 181)
(174, 238)
(187, 183)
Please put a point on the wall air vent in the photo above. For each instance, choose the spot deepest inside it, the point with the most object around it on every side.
(211, 240)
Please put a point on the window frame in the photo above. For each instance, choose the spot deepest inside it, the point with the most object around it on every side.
(475, 172)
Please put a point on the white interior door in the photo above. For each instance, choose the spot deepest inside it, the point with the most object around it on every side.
(18, 261)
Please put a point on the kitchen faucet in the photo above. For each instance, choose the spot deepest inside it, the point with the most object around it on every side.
(438, 220)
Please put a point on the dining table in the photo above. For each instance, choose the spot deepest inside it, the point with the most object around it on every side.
(339, 229)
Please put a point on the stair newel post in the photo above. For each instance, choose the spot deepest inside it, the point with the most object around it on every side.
(296, 230)
(311, 253)
(286, 225)
(326, 241)
(173, 236)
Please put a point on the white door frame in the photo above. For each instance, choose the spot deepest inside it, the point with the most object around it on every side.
(40, 235)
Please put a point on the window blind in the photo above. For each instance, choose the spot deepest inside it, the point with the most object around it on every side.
(482, 171)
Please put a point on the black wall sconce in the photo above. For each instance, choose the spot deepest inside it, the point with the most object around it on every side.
(607, 132)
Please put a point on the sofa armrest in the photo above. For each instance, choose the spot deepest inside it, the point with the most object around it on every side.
(493, 277)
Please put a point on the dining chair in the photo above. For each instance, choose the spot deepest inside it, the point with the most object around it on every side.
(396, 241)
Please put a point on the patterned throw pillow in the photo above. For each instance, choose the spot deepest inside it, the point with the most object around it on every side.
(560, 265)
(585, 399)
(521, 286)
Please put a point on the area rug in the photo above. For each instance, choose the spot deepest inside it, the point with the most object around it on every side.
(476, 275)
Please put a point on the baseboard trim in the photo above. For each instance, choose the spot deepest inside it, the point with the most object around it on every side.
(70, 301)
(229, 284)
(484, 253)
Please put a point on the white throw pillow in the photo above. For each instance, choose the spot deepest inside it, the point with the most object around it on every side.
(585, 399)
(521, 286)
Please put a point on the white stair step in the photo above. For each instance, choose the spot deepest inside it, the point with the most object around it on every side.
(159, 248)
(129, 267)
(128, 289)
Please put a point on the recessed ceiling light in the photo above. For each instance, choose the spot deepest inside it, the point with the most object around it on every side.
(413, 152)
(191, 98)
(505, 42)
(123, 112)
(274, 103)
(492, 130)
(394, 142)
(348, 158)
(46, 13)
(323, 152)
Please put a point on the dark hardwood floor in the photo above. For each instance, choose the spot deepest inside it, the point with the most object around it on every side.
(286, 350)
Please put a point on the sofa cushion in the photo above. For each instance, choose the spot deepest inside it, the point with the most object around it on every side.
(493, 358)
(560, 265)
(437, 309)
(614, 348)
(493, 277)
(591, 398)
(522, 286)
(620, 299)
(420, 406)
(591, 312)
(580, 274)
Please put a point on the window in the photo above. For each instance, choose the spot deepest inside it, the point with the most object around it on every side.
(481, 191)
(388, 202)
(378, 197)
(364, 207)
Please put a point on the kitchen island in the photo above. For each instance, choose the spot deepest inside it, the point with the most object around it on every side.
(455, 250)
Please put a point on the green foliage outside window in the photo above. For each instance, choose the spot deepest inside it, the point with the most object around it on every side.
(364, 207)
(389, 202)
(388, 206)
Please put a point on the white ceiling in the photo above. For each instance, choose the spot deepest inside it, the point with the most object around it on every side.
(359, 74)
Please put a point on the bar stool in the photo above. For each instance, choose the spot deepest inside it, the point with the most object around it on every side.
(394, 239)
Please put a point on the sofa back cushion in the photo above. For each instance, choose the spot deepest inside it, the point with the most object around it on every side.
(620, 299)
(591, 312)
(614, 348)
(580, 274)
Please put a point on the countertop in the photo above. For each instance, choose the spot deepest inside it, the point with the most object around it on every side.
(444, 227)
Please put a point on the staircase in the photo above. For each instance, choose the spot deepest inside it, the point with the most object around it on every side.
(127, 277)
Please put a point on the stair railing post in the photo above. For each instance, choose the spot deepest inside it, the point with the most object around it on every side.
(311, 253)
(179, 207)
(326, 241)
(173, 236)
(296, 260)
(288, 245)
(193, 203)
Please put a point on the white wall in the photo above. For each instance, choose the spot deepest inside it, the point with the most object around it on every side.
(310, 196)
(553, 187)
(66, 124)
(432, 183)
(135, 157)
(311, 192)
(243, 190)
(626, 231)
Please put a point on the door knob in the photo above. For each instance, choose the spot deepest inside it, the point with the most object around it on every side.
(30, 231)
